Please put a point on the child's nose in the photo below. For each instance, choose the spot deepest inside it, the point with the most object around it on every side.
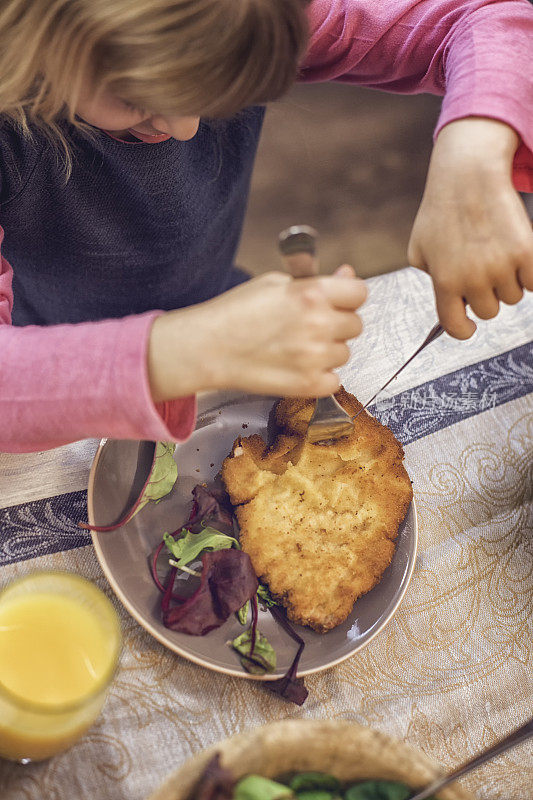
(178, 127)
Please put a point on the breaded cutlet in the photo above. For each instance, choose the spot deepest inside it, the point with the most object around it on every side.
(319, 521)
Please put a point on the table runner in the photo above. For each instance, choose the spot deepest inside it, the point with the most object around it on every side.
(451, 673)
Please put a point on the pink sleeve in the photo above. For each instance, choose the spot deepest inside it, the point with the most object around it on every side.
(478, 53)
(67, 382)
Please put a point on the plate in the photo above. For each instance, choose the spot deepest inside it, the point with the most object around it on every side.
(117, 474)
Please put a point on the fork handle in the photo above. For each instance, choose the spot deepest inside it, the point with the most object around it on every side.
(515, 737)
(297, 246)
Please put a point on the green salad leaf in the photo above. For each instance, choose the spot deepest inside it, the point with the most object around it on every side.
(188, 547)
(263, 593)
(378, 790)
(263, 658)
(264, 596)
(160, 480)
(242, 613)
(305, 781)
(162, 477)
(255, 787)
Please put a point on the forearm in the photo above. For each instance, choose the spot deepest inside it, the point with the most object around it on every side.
(477, 53)
(69, 382)
(487, 66)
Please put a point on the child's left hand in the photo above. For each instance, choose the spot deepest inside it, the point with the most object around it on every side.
(472, 233)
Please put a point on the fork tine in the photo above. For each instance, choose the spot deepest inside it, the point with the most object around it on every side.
(329, 421)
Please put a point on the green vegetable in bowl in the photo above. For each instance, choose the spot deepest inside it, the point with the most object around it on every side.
(260, 659)
(160, 480)
(378, 790)
(264, 596)
(306, 781)
(217, 783)
(242, 613)
(255, 787)
(318, 786)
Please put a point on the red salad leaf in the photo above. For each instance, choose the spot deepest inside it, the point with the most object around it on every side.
(164, 575)
(211, 507)
(167, 595)
(290, 686)
(153, 565)
(216, 782)
(228, 580)
(255, 619)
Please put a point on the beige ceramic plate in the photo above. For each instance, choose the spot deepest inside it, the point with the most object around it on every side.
(118, 472)
(345, 749)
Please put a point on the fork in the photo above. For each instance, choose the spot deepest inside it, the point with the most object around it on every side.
(329, 420)
(515, 737)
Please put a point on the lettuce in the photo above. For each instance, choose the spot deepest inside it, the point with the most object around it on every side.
(158, 484)
(188, 547)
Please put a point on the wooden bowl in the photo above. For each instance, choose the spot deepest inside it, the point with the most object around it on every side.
(345, 749)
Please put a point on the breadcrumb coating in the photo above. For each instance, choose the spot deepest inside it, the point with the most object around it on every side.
(319, 520)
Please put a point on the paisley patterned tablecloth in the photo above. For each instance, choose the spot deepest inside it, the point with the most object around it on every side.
(453, 670)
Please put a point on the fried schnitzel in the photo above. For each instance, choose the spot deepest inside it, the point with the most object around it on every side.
(319, 521)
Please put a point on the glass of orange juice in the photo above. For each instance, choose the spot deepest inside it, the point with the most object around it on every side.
(59, 648)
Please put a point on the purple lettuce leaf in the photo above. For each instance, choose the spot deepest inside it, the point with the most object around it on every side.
(290, 686)
(227, 581)
(211, 507)
(216, 782)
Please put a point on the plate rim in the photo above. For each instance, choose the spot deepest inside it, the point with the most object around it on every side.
(175, 648)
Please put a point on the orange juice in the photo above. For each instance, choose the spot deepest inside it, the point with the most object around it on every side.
(59, 645)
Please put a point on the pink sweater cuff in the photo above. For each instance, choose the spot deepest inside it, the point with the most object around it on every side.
(177, 418)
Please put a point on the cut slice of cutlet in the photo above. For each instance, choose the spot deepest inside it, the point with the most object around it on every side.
(319, 521)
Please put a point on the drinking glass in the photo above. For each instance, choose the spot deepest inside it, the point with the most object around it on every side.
(59, 647)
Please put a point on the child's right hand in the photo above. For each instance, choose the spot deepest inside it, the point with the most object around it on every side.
(272, 335)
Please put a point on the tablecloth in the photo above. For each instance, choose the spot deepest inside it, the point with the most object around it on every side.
(451, 673)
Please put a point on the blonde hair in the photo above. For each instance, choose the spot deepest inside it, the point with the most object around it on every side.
(191, 57)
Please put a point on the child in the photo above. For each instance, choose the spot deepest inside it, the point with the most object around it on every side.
(145, 211)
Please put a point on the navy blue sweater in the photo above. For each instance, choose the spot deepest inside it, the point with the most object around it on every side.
(136, 227)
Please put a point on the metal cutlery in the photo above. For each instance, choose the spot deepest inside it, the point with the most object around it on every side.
(514, 738)
(329, 420)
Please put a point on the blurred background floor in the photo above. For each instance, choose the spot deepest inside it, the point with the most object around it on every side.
(350, 162)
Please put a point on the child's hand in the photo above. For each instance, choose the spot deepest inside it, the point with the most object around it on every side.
(272, 335)
(472, 233)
